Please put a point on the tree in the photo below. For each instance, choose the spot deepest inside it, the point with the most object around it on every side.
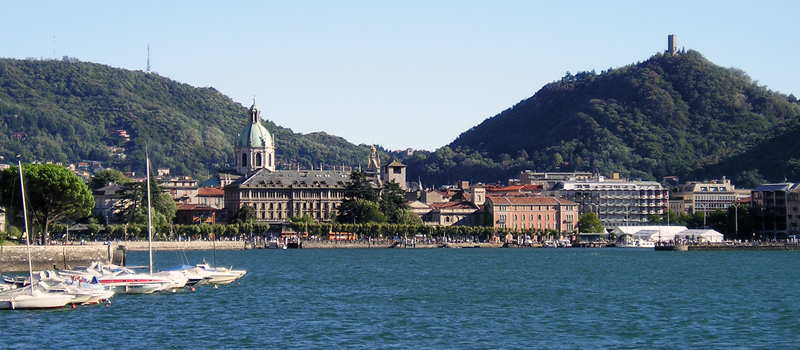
(134, 204)
(360, 187)
(393, 202)
(590, 223)
(360, 203)
(359, 211)
(53, 194)
(108, 176)
(245, 214)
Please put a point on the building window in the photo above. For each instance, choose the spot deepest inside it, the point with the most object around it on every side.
(244, 159)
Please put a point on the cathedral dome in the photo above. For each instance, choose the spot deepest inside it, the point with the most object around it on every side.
(254, 134)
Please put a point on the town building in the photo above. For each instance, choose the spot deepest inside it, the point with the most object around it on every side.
(549, 179)
(213, 197)
(277, 195)
(538, 213)
(705, 197)
(182, 189)
(776, 209)
(465, 212)
(195, 214)
(107, 202)
(616, 202)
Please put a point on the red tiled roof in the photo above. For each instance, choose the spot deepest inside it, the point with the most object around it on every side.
(531, 200)
(210, 192)
(192, 207)
(453, 205)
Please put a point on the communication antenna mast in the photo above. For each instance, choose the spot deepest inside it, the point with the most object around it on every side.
(54, 47)
(148, 59)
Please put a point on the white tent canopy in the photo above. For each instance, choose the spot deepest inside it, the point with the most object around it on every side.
(701, 235)
(667, 233)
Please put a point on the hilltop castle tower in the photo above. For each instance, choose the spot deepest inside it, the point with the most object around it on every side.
(672, 44)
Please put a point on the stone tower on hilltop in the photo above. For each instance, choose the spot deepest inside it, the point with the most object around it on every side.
(672, 44)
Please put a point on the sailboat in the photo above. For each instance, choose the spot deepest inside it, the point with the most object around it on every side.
(35, 295)
(126, 281)
(177, 279)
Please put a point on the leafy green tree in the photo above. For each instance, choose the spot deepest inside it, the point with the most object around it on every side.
(134, 204)
(393, 202)
(590, 223)
(302, 219)
(408, 217)
(360, 187)
(53, 194)
(360, 203)
(359, 211)
(108, 176)
(245, 214)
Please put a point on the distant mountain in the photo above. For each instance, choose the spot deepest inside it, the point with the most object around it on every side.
(670, 115)
(68, 111)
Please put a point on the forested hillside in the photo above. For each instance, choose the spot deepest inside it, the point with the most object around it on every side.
(670, 115)
(68, 111)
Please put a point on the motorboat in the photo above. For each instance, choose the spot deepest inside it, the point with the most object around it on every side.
(35, 296)
(193, 277)
(123, 282)
(120, 279)
(636, 243)
(85, 292)
(218, 275)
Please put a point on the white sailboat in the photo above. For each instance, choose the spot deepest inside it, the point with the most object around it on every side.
(36, 295)
(126, 281)
(177, 279)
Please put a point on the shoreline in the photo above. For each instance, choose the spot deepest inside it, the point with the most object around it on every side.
(139, 246)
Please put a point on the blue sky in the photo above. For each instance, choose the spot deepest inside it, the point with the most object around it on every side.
(397, 73)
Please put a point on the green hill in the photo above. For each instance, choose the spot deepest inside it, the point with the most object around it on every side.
(670, 115)
(68, 111)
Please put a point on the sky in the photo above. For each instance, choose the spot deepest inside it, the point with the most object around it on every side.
(400, 74)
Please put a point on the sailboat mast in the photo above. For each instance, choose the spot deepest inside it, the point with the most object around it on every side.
(25, 217)
(149, 218)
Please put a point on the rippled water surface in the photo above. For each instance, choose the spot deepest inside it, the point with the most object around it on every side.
(448, 299)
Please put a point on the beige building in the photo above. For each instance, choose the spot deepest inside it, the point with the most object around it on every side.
(704, 197)
(107, 202)
(277, 195)
(539, 213)
(182, 189)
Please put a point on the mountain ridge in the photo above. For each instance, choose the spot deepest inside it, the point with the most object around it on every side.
(66, 110)
(673, 114)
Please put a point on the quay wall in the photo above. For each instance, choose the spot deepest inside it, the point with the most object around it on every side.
(142, 246)
(15, 258)
(759, 247)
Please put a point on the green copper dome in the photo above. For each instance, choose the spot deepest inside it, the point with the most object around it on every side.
(254, 135)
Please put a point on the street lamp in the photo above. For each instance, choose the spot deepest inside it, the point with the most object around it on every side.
(736, 220)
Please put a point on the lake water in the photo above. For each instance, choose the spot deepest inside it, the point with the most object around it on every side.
(447, 299)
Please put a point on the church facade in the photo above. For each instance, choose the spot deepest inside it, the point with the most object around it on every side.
(277, 195)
